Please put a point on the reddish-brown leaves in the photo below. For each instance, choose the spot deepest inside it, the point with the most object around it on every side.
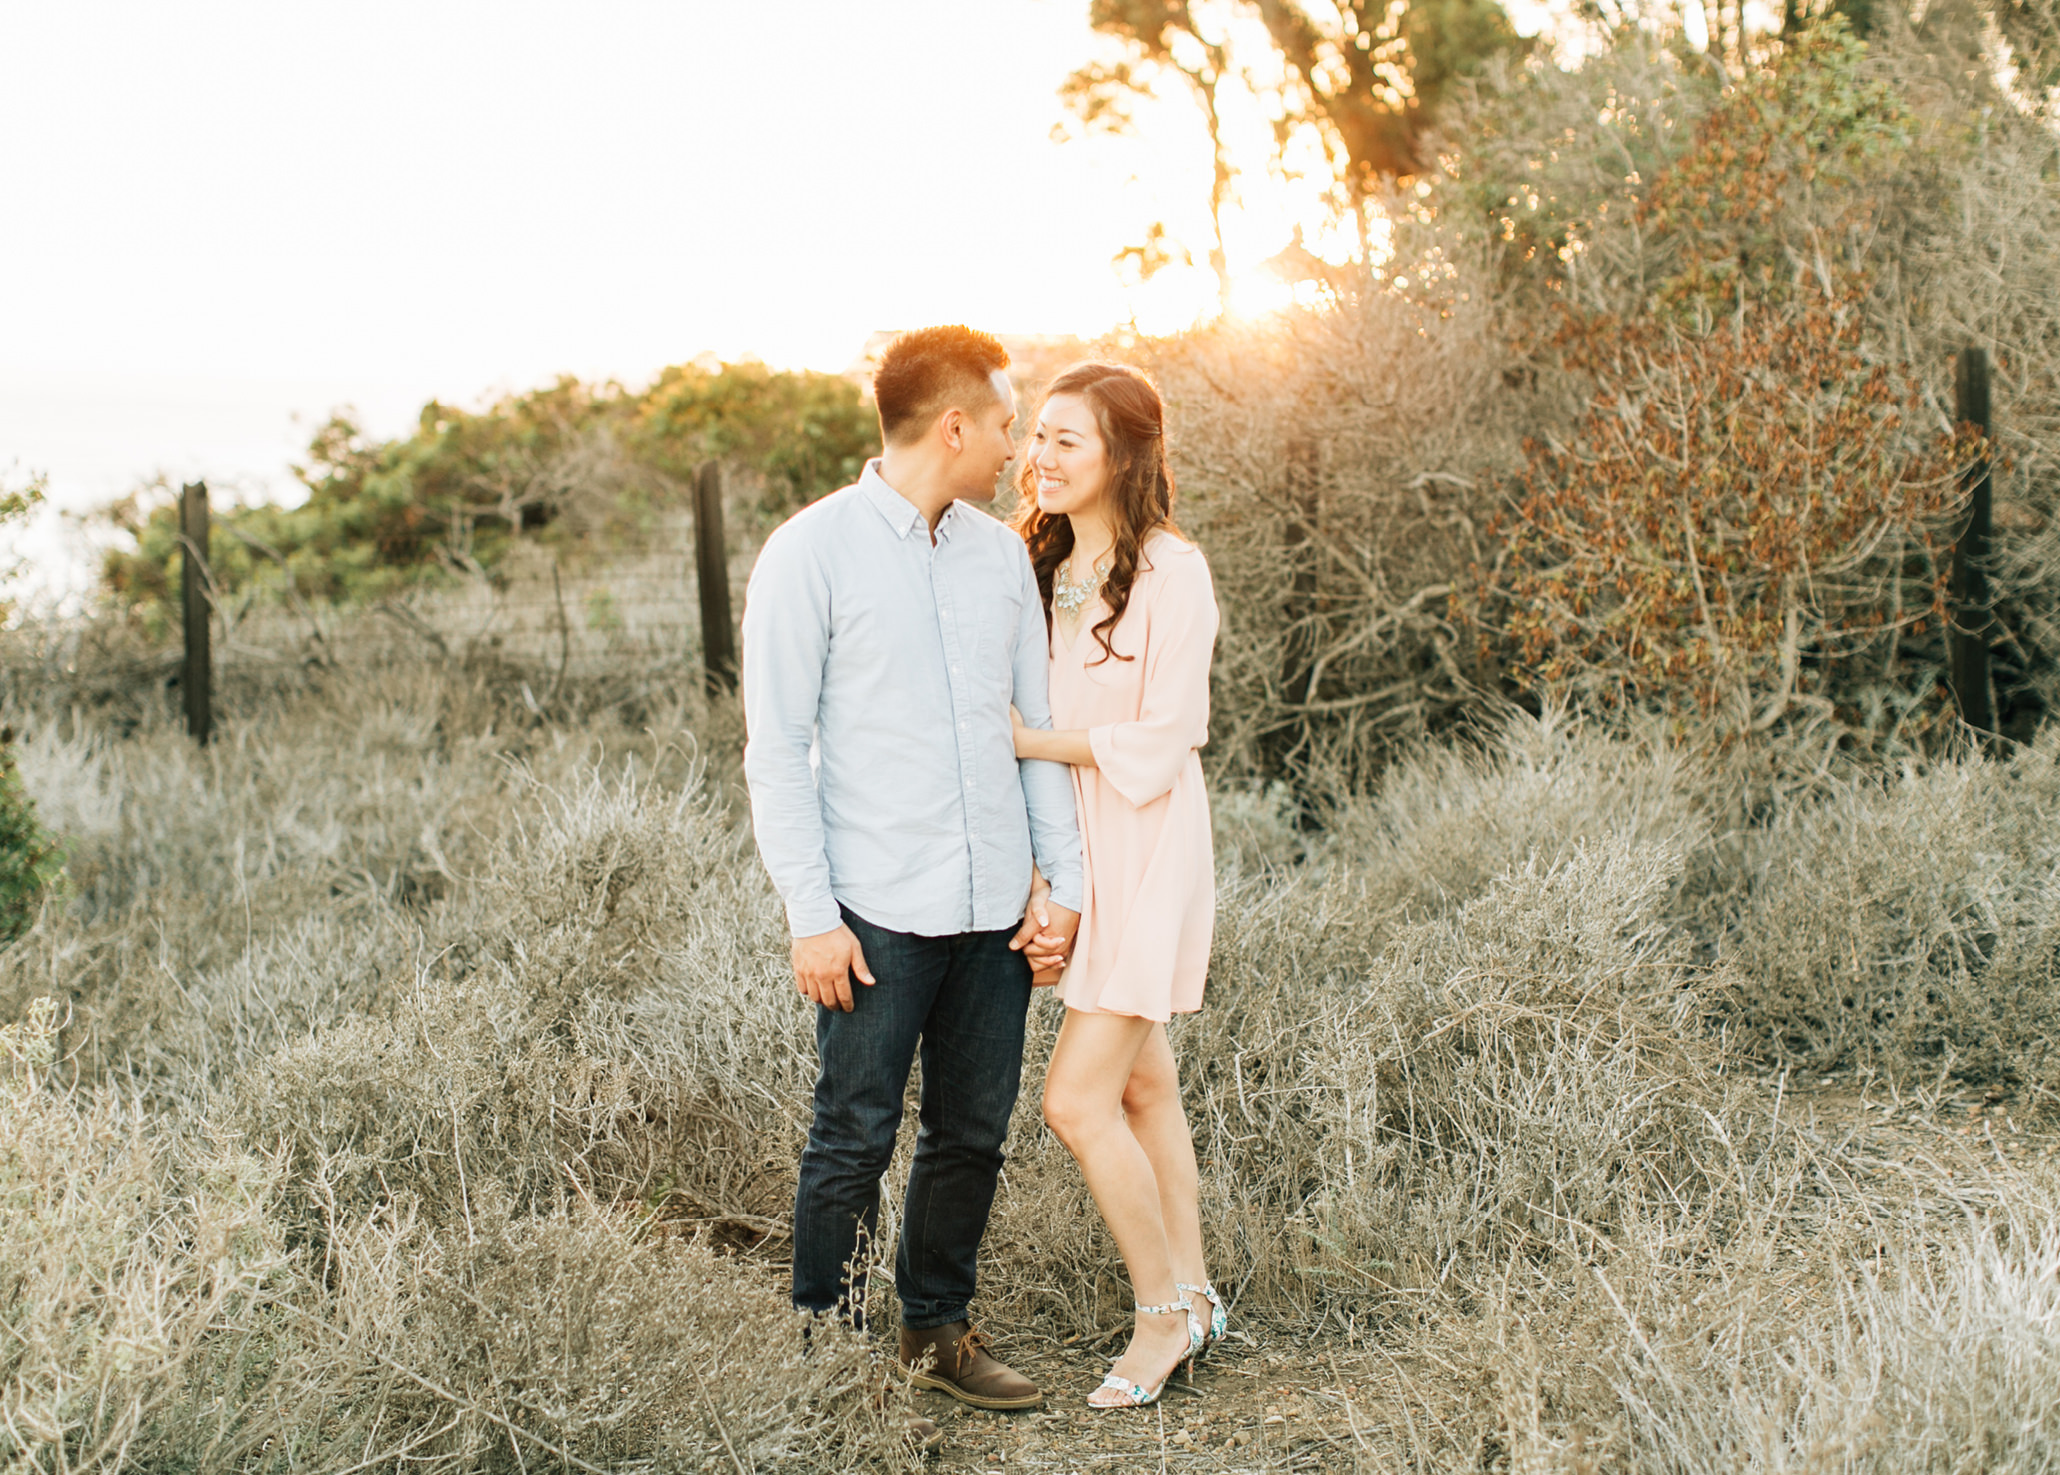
(1737, 511)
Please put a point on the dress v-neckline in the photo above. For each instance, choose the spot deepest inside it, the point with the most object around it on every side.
(1058, 624)
(1092, 603)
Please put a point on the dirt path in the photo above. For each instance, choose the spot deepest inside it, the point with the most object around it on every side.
(1255, 1405)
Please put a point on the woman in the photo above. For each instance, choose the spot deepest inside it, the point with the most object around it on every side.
(1132, 621)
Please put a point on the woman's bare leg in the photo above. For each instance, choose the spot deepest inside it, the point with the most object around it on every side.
(1091, 1067)
(1151, 1105)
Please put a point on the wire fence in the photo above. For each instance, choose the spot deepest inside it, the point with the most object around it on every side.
(605, 602)
(610, 607)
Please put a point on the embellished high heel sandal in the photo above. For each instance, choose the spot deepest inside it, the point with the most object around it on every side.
(1219, 1315)
(1135, 1395)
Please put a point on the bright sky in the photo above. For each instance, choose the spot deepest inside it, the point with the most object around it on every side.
(223, 215)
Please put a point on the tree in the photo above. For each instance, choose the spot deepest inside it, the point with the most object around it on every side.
(1368, 75)
(1374, 73)
(1163, 36)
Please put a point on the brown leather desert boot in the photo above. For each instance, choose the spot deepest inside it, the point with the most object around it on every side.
(953, 1359)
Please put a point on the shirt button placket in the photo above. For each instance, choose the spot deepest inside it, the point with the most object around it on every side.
(948, 629)
(967, 760)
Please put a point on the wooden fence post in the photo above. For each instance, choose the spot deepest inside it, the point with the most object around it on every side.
(1970, 632)
(712, 575)
(196, 678)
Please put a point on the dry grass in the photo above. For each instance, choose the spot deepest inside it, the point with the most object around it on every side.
(1907, 921)
(482, 1028)
(1927, 1356)
(426, 1088)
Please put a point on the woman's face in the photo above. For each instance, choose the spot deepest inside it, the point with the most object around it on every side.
(1068, 457)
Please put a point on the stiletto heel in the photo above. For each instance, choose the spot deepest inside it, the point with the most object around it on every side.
(1136, 1395)
(1219, 1315)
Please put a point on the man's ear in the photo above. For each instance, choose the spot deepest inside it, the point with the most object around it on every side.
(952, 425)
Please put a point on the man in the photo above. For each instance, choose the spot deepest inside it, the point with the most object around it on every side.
(889, 627)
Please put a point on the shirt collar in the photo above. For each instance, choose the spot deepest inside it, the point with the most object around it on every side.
(902, 515)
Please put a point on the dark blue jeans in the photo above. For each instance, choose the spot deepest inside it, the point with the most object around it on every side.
(964, 999)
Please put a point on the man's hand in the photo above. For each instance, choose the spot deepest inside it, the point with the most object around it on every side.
(1046, 935)
(824, 965)
(1035, 932)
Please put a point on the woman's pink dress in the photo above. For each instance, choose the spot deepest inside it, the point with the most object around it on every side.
(1150, 907)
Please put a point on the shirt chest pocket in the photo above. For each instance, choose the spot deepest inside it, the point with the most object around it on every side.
(1000, 606)
(978, 605)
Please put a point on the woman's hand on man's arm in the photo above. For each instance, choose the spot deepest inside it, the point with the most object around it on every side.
(1068, 746)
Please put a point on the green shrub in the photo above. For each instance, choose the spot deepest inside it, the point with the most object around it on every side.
(31, 860)
(462, 489)
(802, 432)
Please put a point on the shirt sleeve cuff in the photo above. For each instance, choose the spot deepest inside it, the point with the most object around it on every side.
(1065, 892)
(813, 916)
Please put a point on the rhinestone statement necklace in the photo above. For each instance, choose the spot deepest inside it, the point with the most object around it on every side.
(1067, 597)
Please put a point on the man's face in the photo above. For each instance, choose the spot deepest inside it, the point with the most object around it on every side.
(988, 443)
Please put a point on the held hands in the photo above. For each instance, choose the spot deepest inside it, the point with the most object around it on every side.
(824, 965)
(1053, 946)
(1046, 936)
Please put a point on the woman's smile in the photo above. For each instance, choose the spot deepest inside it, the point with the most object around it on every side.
(1066, 457)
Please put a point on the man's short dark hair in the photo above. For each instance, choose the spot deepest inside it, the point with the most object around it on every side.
(924, 373)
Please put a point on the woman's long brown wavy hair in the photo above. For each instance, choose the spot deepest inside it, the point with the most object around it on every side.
(1138, 492)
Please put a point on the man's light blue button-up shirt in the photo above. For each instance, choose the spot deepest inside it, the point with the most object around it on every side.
(879, 668)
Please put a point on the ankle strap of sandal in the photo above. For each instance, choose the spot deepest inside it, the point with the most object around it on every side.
(1169, 1308)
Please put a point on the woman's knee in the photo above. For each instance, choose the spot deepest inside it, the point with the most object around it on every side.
(1077, 1116)
(1081, 1097)
(1063, 1114)
(1152, 1087)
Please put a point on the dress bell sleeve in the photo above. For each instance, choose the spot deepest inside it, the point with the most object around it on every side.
(1142, 759)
